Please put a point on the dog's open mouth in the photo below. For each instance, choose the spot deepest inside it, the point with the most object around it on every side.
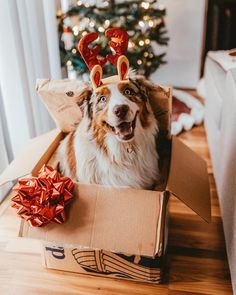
(125, 130)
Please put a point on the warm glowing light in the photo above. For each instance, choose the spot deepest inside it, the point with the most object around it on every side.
(86, 5)
(79, 3)
(107, 23)
(145, 17)
(92, 24)
(74, 50)
(69, 63)
(76, 33)
(149, 63)
(145, 54)
(141, 42)
(151, 55)
(145, 5)
(139, 62)
(141, 23)
(75, 28)
(151, 23)
(147, 41)
(84, 33)
(101, 29)
(131, 44)
(105, 3)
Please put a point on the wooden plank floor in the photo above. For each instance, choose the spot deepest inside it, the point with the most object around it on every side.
(197, 262)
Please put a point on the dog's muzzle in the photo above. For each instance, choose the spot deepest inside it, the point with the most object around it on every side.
(124, 130)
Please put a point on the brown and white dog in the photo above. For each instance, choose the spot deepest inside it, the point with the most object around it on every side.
(115, 142)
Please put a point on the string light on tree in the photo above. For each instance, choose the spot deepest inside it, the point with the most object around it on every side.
(107, 23)
(92, 24)
(145, 5)
(151, 23)
(141, 23)
(141, 42)
(101, 29)
(139, 62)
(131, 44)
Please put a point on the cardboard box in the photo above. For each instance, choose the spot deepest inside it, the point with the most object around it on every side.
(117, 232)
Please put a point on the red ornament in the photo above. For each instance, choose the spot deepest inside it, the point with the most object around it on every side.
(41, 200)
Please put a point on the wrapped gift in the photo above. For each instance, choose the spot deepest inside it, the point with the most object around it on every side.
(101, 220)
(112, 232)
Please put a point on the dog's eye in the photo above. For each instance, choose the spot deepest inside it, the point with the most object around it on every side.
(128, 91)
(103, 99)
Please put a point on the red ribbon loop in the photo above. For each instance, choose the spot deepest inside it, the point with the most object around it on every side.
(41, 200)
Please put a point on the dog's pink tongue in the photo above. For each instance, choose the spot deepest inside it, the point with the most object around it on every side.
(124, 129)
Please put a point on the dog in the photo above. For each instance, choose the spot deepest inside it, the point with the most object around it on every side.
(115, 142)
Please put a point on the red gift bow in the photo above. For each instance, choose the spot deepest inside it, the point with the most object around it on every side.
(42, 199)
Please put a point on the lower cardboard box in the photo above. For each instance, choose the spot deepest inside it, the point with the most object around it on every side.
(107, 248)
(117, 232)
(114, 232)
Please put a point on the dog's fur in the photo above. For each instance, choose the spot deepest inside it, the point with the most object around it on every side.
(100, 152)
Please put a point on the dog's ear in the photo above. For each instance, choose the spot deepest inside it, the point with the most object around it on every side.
(84, 96)
(83, 100)
(144, 86)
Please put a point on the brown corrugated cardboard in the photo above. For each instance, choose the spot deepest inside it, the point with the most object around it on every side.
(105, 218)
(59, 96)
(118, 232)
(191, 185)
(29, 161)
(188, 179)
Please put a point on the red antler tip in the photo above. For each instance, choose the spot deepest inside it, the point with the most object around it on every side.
(119, 42)
(90, 55)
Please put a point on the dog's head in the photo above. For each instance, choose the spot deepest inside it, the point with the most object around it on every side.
(116, 105)
(118, 109)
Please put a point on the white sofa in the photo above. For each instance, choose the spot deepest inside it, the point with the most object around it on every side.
(220, 123)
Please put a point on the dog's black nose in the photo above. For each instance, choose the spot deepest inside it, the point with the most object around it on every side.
(121, 110)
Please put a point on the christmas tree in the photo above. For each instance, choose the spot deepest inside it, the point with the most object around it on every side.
(143, 20)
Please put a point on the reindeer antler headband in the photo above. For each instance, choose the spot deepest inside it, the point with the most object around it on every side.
(119, 42)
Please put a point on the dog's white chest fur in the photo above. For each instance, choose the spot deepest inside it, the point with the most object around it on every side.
(132, 164)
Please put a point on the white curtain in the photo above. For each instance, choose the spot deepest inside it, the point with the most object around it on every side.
(28, 50)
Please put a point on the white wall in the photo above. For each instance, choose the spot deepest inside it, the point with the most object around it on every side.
(185, 22)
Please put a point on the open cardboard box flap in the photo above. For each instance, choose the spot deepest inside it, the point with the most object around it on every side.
(188, 179)
(29, 161)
